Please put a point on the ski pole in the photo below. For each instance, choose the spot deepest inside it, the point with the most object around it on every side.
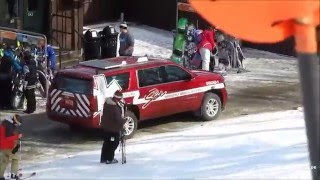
(20, 150)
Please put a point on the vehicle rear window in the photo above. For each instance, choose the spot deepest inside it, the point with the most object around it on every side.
(123, 80)
(73, 85)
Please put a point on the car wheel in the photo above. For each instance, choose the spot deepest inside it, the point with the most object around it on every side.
(131, 125)
(211, 107)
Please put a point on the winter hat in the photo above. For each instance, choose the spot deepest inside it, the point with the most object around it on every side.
(124, 25)
(118, 95)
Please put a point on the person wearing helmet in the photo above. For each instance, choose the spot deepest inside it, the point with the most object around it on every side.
(30, 72)
(126, 41)
(9, 145)
(112, 122)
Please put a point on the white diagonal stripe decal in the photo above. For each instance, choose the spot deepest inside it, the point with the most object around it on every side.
(73, 113)
(81, 110)
(53, 91)
(78, 112)
(82, 103)
(62, 110)
(55, 103)
(57, 109)
(55, 96)
(86, 99)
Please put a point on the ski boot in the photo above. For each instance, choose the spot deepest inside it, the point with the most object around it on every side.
(114, 161)
(14, 177)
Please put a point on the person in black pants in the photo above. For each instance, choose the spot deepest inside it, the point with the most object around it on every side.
(30, 72)
(5, 82)
(112, 122)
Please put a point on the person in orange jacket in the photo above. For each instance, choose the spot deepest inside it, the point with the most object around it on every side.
(9, 145)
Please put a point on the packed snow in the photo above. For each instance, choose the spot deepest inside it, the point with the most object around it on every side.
(261, 146)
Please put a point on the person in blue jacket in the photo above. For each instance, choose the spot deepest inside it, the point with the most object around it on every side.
(8, 53)
(50, 54)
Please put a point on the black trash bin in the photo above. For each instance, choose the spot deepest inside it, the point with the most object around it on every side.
(109, 42)
(92, 41)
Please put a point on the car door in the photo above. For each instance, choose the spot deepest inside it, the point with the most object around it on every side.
(151, 97)
(185, 94)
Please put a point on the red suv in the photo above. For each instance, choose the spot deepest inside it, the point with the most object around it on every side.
(152, 88)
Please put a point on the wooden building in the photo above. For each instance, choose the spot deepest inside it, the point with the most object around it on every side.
(63, 20)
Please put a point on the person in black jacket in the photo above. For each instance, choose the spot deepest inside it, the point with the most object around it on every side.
(30, 72)
(5, 81)
(112, 122)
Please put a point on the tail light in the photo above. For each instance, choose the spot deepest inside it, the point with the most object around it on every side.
(93, 103)
(93, 98)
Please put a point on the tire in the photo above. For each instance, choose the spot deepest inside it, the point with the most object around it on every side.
(211, 107)
(131, 125)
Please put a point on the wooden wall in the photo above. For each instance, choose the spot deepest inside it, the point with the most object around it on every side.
(66, 23)
(156, 13)
(97, 11)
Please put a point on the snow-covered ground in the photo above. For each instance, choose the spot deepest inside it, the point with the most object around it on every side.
(261, 146)
(148, 40)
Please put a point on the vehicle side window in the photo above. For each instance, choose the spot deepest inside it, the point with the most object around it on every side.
(123, 80)
(175, 73)
(150, 76)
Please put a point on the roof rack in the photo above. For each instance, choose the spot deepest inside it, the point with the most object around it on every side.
(110, 64)
(101, 64)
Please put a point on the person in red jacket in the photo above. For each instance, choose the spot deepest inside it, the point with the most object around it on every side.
(9, 145)
(206, 46)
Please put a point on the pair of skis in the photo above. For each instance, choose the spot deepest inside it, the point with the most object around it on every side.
(22, 176)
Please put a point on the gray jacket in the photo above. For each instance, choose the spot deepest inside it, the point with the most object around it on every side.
(112, 119)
